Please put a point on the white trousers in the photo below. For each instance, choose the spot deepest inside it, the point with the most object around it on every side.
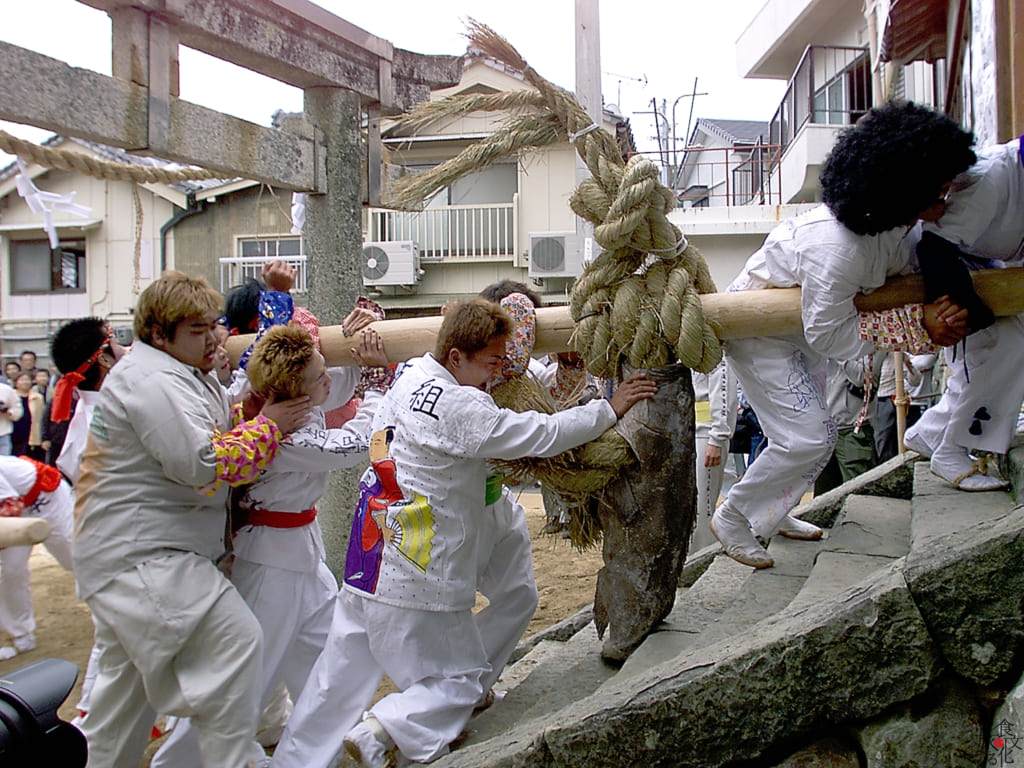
(784, 381)
(980, 414)
(436, 659)
(17, 617)
(507, 581)
(174, 637)
(294, 610)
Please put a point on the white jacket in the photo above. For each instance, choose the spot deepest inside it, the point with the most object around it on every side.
(718, 390)
(444, 434)
(70, 460)
(298, 477)
(985, 212)
(148, 455)
(15, 410)
(831, 265)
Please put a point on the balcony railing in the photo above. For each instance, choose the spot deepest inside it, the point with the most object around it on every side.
(235, 269)
(729, 176)
(831, 86)
(453, 232)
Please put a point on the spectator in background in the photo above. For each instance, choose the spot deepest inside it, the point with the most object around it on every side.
(11, 370)
(41, 384)
(10, 412)
(886, 434)
(54, 433)
(28, 362)
(27, 436)
(715, 407)
(855, 442)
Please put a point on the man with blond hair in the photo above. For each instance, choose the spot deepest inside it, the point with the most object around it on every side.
(174, 635)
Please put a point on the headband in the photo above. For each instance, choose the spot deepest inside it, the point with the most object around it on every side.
(61, 408)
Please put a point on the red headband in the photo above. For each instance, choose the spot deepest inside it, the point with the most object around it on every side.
(61, 408)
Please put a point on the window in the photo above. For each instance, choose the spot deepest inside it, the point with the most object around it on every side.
(254, 253)
(274, 248)
(37, 269)
(846, 97)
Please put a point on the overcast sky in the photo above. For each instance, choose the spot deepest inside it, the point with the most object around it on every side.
(650, 49)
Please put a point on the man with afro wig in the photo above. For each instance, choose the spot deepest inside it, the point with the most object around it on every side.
(832, 261)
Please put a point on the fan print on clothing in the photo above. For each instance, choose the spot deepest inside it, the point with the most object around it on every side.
(384, 517)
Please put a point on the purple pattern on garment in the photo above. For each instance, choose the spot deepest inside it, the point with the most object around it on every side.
(365, 543)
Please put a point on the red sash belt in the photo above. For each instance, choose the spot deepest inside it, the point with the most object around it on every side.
(281, 519)
(47, 479)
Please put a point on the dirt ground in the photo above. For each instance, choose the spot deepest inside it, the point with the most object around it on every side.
(565, 579)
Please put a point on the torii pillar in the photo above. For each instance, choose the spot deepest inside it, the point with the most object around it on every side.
(333, 235)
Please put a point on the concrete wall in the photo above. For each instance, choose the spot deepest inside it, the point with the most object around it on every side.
(726, 254)
(200, 240)
(546, 182)
(774, 40)
(982, 62)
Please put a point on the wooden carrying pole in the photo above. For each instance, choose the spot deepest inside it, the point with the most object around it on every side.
(22, 531)
(900, 400)
(743, 314)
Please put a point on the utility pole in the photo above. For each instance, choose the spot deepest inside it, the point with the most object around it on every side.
(663, 146)
(674, 178)
(588, 93)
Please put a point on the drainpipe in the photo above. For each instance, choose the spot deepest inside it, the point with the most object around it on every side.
(191, 209)
(871, 14)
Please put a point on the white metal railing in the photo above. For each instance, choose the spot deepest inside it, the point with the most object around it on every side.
(453, 232)
(740, 175)
(235, 269)
(831, 86)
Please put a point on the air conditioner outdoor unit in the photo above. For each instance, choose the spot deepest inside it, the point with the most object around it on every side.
(553, 254)
(391, 263)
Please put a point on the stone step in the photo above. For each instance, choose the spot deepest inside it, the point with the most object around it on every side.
(871, 533)
(776, 631)
(562, 665)
(939, 509)
(551, 676)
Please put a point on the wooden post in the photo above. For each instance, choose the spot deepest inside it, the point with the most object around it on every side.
(901, 400)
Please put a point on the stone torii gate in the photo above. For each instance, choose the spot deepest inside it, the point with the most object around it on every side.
(342, 70)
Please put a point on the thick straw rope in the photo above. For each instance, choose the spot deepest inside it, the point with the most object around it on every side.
(637, 302)
(78, 162)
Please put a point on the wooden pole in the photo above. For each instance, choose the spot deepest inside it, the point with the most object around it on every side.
(22, 531)
(901, 401)
(743, 314)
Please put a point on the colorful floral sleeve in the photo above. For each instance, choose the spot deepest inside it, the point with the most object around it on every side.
(245, 450)
(378, 378)
(12, 507)
(306, 319)
(276, 308)
(524, 337)
(364, 303)
(900, 329)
